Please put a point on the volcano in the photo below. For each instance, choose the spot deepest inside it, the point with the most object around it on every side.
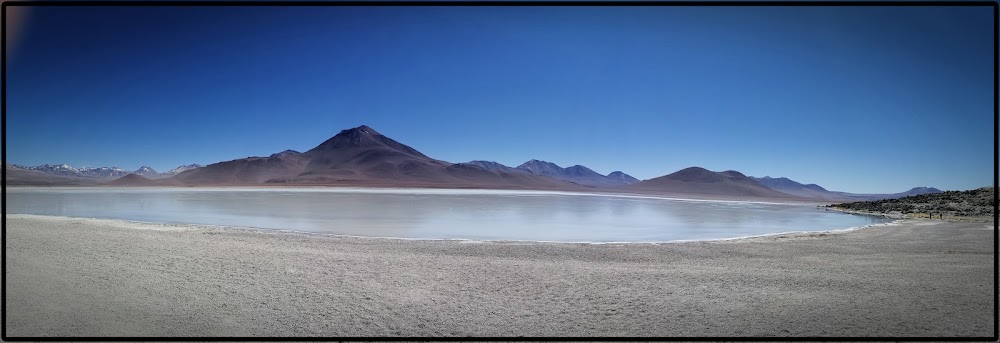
(362, 156)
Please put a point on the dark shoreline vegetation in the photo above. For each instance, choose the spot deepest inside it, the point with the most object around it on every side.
(972, 204)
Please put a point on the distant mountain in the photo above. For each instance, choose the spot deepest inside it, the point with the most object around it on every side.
(361, 156)
(785, 185)
(622, 178)
(152, 174)
(581, 171)
(541, 168)
(181, 169)
(577, 174)
(493, 166)
(146, 172)
(65, 170)
(20, 176)
(586, 176)
(814, 191)
(700, 181)
(69, 175)
(54, 169)
(103, 172)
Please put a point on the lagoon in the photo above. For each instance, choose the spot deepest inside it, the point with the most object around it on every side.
(438, 213)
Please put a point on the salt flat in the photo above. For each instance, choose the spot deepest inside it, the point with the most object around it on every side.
(92, 277)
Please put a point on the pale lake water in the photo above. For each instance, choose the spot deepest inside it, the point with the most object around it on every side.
(438, 214)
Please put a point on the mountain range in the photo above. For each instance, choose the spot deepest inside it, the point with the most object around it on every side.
(576, 174)
(814, 191)
(64, 173)
(362, 156)
(16, 175)
(700, 181)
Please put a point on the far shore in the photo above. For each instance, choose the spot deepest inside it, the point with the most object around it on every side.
(662, 195)
(74, 277)
(897, 215)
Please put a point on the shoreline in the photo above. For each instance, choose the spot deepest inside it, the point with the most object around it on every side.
(69, 277)
(900, 216)
(863, 213)
(140, 225)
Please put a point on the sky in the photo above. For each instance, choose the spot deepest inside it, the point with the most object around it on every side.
(857, 99)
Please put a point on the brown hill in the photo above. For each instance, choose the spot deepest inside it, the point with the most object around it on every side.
(134, 179)
(700, 181)
(361, 157)
(131, 180)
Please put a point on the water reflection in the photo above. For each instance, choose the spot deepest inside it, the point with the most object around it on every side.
(468, 214)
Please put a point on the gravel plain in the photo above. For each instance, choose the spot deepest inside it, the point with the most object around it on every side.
(73, 277)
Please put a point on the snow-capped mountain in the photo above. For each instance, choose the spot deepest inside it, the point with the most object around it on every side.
(146, 172)
(103, 173)
(54, 169)
(149, 173)
(70, 171)
(182, 169)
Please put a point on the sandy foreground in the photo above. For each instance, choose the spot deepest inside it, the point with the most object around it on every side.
(89, 277)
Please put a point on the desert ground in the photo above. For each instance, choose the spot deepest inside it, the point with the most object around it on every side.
(88, 277)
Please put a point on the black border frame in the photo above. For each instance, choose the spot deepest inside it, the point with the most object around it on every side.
(250, 3)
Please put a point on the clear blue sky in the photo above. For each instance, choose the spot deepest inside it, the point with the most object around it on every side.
(859, 99)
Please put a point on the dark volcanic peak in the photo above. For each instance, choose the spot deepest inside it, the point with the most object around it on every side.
(363, 137)
(366, 129)
(362, 156)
